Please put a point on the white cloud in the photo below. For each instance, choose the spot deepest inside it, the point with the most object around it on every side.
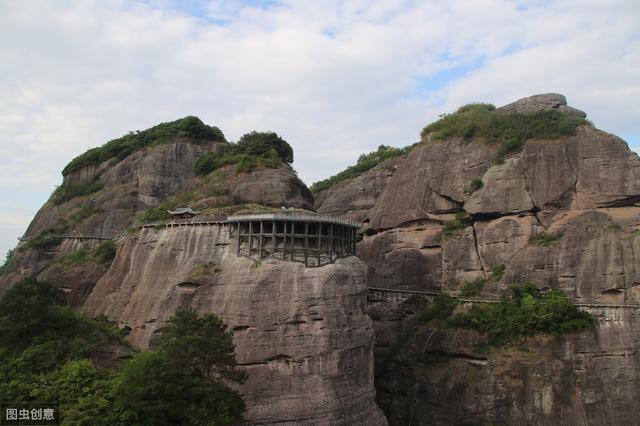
(334, 78)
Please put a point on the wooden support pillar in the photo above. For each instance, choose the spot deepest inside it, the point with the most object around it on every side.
(238, 239)
(331, 243)
(293, 240)
(273, 238)
(353, 241)
(250, 237)
(260, 240)
(319, 242)
(306, 243)
(284, 244)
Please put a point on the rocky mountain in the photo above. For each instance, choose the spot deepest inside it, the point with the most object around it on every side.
(530, 192)
(154, 171)
(301, 334)
(489, 198)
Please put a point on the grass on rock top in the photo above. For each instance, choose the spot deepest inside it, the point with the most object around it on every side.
(191, 127)
(254, 150)
(365, 162)
(510, 130)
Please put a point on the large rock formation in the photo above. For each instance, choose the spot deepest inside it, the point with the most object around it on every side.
(138, 182)
(582, 188)
(560, 213)
(439, 378)
(301, 333)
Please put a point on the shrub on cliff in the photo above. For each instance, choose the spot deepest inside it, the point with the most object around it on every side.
(45, 239)
(69, 190)
(525, 311)
(189, 127)
(253, 150)
(452, 227)
(9, 264)
(511, 130)
(365, 162)
(544, 239)
(105, 252)
(38, 330)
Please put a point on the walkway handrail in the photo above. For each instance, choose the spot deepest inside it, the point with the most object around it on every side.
(467, 300)
(295, 216)
(75, 237)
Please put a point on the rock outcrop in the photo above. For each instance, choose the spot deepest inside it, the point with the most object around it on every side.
(352, 198)
(542, 102)
(582, 188)
(143, 180)
(561, 213)
(438, 378)
(301, 334)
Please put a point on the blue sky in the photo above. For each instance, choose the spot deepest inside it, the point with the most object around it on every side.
(335, 79)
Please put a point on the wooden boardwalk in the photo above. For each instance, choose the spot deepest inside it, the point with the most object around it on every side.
(377, 294)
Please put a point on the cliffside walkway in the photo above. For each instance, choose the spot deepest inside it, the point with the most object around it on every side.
(184, 223)
(74, 237)
(305, 237)
(377, 294)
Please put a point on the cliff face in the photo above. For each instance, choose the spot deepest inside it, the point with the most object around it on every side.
(575, 379)
(582, 189)
(352, 198)
(130, 186)
(301, 333)
(561, 213)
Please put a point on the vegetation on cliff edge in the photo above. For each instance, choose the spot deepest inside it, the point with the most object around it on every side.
(46, 353)
(365, 162)
(510, 130)
(190, 127)
(68, 190)
(452, 227)
(253, 150)
(524, 311)
(544, 239)
(9, 264)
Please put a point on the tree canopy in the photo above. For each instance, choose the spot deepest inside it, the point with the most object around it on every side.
(46, 350)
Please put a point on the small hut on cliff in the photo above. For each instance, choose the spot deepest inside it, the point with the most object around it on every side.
(182, 213)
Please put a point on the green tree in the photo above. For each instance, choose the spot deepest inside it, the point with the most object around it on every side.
(258, 144)
(200, 343)
(179, 383)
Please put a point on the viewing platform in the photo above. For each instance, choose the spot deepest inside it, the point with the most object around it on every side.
(305, 237)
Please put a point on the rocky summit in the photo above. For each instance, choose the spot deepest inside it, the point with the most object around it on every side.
(462, 215)
(496, 277)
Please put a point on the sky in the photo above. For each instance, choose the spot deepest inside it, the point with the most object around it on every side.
(333, 78)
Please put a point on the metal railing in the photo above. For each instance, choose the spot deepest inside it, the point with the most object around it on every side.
(467, 300)
(296, 217)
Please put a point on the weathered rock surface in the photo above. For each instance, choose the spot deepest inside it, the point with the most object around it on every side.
(408, 258)
(271, 187)
(352, 198)
(433, 179)
(581, 194)
(588, 170)
(543, 102)
(301, 333)
(436, 378)
(144, 180)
